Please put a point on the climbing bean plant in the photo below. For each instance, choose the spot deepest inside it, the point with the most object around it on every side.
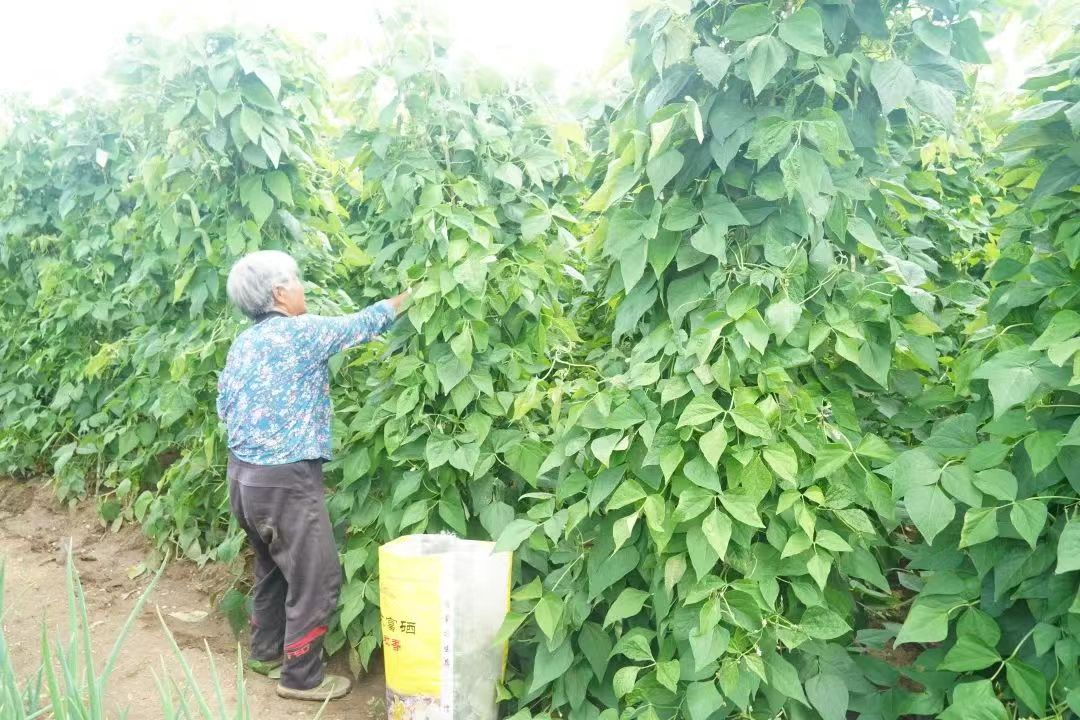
(119, 221)
(764, 372)
(781, 298)
(468, 194)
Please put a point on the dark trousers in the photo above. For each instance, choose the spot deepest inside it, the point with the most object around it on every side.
(282, 509)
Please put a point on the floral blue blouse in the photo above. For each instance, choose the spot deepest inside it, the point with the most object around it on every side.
(274, 393)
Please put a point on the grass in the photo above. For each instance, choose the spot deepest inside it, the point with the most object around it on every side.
(66, 685)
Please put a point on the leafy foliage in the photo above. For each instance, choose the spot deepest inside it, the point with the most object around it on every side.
(118, 224)
(765, 373)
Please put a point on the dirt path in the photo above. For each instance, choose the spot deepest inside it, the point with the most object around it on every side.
(34, 532)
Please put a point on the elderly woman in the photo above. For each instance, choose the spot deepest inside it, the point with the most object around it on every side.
(274, 398)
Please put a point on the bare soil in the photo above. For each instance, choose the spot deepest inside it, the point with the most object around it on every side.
(35, 532)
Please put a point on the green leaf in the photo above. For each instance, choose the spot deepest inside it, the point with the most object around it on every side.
(517, 532)
(509, 174)
(510, 625)
(987, 455)
(1061, 174)
(221, 75)
(753, 330)
(702, 474)
(912, 468)
(1013, 377)
(270, 79)
(797, 542)
(717, 530)
(997, 483)
(536, 222)
(627, 493)
(603, 446)
(1028, 684)
(548, 612)
(176, 114)
(702, 700)
(970, 654)
(741, 508)
(279, 186)
(628, 604)
(549, 665)
(782, 317)
(770, 137)
(958, 480)
(830, 459)
(272, 149)
(975, 701)
(438, 450)
(634, 646)
(974, 623)
(610, 570)
(251, 124)
(864, 233)
(823, 624)
(784, 678)
(935, 37)
(713, 443)
(227, 102)
(693, 114)
(802, 31)
(256, 156)
(663, 168)
(1068, 549)
(701, 410)
(967, 43)
(783, 461)
(828, 694)
(449, 368)
(831, 541)
(711, 240)
(258, 202)
(748, 21)
(1042, 448)
(767, 57)
(980, 525)
(702, 555)
(934, 100)
(1065, 325)
(708, 645)
(669, 453)
(259, 95)
(820, 566)
(874, 447)
(596, 644)
(624, 680)
(930, 509)
(1028, 518)
(954, 436)
(713, 64)
(893, 81)
(667, 674)
(927, 621)
(751, 421)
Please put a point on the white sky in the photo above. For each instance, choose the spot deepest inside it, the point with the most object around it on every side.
(50, 45)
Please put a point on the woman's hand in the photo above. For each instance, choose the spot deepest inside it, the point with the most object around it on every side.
(398, 301)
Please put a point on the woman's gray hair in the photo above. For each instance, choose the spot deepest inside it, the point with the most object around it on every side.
(252, 280)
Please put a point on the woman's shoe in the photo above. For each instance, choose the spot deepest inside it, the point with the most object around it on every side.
(332, 687)
(265, 667)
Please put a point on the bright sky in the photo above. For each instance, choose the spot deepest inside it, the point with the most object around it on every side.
(51, 45)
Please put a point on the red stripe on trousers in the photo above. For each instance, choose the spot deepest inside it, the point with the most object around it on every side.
(313, 635)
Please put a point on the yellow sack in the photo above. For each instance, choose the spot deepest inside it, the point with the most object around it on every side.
(443, 601)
